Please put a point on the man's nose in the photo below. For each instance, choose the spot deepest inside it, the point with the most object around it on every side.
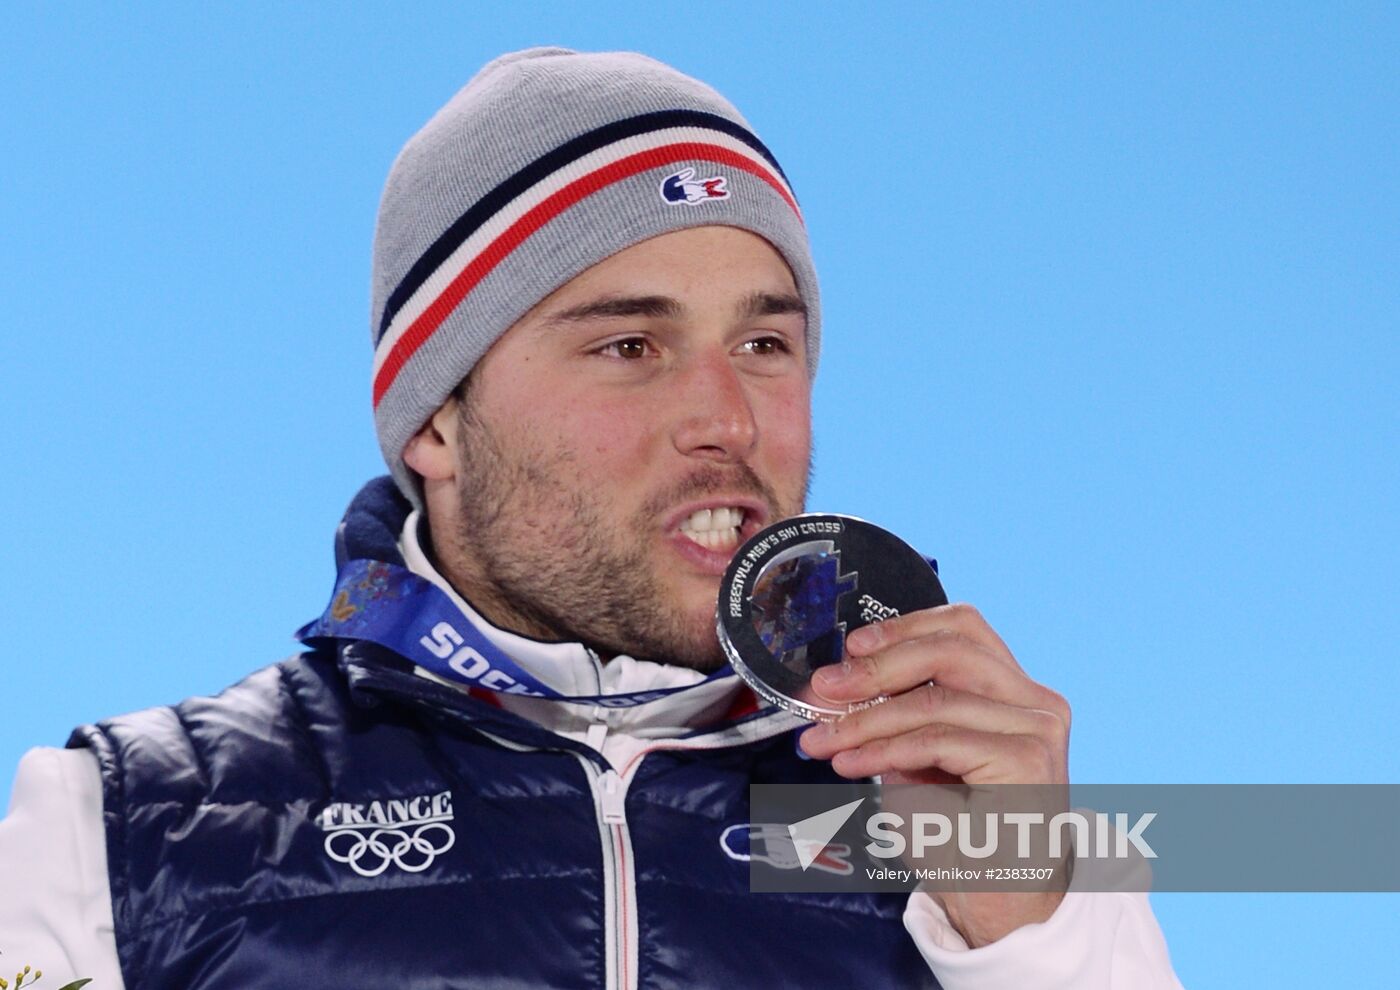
(717, 421)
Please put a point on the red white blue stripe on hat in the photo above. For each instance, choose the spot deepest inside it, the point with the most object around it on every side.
(506, 217)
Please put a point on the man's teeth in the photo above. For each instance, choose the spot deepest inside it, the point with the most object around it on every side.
(716, 529)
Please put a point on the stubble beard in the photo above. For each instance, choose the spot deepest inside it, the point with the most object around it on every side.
(544, 562)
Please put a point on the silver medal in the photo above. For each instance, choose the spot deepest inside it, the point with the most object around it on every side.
(793, 592)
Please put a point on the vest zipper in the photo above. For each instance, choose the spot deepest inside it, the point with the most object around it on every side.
(619, 877)
(611, 799)
(620, 937)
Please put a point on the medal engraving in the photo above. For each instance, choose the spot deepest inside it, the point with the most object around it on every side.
(795, 590)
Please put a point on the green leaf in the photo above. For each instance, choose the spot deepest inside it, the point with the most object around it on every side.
(76, 984)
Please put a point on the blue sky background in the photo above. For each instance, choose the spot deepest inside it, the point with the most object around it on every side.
(1110, 299)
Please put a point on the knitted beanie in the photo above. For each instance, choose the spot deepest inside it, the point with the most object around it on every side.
(547, 162)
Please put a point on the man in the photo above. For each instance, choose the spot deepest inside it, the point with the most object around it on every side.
(512, 752)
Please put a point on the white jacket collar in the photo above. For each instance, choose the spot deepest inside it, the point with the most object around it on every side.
(571, 668)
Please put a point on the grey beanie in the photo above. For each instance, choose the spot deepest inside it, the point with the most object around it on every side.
(547, 162)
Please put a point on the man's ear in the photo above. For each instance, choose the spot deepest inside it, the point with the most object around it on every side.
(433, 450)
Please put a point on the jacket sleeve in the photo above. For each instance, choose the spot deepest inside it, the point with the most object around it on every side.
(1093, 941)
(55, 902)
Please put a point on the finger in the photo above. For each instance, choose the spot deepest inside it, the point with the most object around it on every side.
(924, 705)
(975, 757)
(959, 618)
(945, 657)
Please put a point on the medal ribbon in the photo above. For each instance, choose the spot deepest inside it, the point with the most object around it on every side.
(389, 605)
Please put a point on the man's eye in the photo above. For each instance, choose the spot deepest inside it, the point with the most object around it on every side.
(630, 348)
(766, 346)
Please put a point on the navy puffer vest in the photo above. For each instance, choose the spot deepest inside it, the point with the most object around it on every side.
(336, 821)
(219, 811)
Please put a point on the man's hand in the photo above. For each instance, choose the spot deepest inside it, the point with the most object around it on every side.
(959, 709)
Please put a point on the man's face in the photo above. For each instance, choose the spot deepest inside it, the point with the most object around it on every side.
(622, 439)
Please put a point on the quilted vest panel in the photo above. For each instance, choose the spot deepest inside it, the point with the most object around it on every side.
(348, 825)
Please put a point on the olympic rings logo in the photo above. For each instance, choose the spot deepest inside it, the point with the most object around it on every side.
(369, 854)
